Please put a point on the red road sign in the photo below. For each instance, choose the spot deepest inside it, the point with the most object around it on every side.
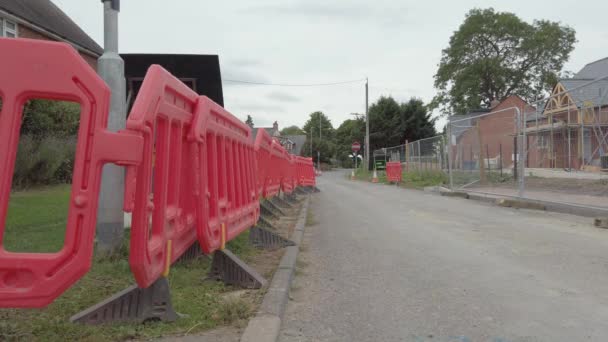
(356, 146)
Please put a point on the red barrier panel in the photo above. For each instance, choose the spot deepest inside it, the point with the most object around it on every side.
(305, 172)
(288, 170)
(273, 183)
(393, 172)
(55, 71)
(263, 149)
(227, 149)
(165, 206)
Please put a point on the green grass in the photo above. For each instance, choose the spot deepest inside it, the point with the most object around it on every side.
(410, 179)
(36, 219)
(421, 179)
(461, 178)
(201, 302)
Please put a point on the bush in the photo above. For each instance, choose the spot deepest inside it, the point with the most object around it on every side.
(46, 161)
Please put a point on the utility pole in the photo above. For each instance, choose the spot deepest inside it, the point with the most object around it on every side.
(366, 124)
(319, 147)
(111, 68)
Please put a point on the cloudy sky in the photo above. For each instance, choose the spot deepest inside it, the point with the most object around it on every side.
(396, 44)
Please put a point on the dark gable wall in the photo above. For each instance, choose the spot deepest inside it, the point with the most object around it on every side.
(205, 69)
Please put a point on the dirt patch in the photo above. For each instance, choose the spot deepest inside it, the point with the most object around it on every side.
(566, 186)
(223, 334)
(238, 305)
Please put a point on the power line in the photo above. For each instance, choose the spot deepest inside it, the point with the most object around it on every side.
(294, 85)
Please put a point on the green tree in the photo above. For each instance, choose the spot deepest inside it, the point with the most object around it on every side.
(496, 54)
(292, 130)
(350, 130)
(43, 118)
(319, 122)
(384, 124)
(249, 121)
(416, 121)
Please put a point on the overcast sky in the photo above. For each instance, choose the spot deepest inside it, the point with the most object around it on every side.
(397, 44)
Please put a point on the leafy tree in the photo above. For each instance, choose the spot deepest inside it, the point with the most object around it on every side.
(496, 54)
(384, 124)
(292, 130)
(350, 130)
(416, 122)
(319, 122)
(249, 121)
(43, 118)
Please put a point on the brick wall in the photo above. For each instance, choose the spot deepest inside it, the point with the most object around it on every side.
(496, 137)
(26, 32)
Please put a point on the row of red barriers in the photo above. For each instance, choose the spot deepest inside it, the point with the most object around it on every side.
(393, 172)
(305, 171)
(194, 172)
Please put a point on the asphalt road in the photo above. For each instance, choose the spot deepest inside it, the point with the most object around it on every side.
(388, 264)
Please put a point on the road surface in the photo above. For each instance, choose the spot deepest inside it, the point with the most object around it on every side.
(388, 264)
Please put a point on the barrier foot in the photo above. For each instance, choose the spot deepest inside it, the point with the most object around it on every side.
(275, 207)
(263, 222)
(291, 198)
(262, 238)
(279, 202)
(267, 211)
(132, 304)
(231, 270)
(315, 189)
(192, 253)
(302, 191)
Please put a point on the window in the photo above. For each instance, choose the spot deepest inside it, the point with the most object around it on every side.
(8, 28)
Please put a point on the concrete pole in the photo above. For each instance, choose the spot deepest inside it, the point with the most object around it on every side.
(111, 68)
(367, 124)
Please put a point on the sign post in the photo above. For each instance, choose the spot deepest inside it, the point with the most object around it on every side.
(356, 147)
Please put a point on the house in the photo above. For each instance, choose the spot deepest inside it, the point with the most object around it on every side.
(292, 143)
(572, 132)
(487, 135)
(41, 19)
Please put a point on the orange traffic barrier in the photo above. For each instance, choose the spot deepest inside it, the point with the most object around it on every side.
(55, 71)
(393, 172)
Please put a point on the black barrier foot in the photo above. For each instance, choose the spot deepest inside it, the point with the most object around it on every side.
(274, 207)
(302, 191)
(228, 268)
(192, 253)
(279, 202)
(315, 189)
(132, 304)
(263, 222)
(292, 198)
(262, 238)
(267, 211)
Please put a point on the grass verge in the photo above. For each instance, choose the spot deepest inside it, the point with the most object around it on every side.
(203, 303)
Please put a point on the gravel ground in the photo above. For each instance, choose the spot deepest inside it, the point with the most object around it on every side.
(387, 264)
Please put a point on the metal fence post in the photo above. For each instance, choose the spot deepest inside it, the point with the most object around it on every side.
(419, 158)
(449, 146)
(522, 180)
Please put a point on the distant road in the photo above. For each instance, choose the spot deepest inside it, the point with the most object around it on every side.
(387, 264)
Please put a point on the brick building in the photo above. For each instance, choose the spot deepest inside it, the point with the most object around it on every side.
(487, 135)
(41, 19)
(571, 131)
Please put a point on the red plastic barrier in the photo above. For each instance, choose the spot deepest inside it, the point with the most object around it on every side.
(55, 71)
(165, 206)
(263, 149)
(393, 172)
(288, 176)
(305, 172)
(228, 163)
(275, 172)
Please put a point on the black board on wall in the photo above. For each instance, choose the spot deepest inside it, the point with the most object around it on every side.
(199, 72)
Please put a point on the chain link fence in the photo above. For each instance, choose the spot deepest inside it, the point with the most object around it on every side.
(554, 149)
